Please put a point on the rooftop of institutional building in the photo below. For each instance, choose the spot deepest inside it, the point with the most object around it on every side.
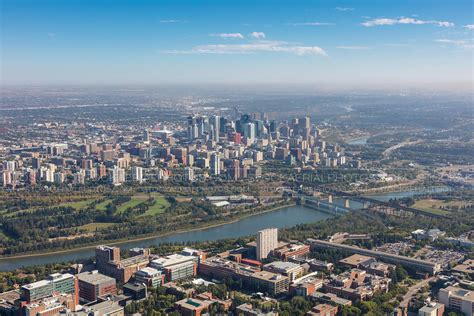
(149, 271)
(461, 293)
(282, 265)
(192, 303)
(172, 260)
(355, 259)
(93, 277)
(53, 277)
(269, 276)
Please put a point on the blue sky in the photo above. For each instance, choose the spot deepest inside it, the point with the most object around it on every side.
(365, 42)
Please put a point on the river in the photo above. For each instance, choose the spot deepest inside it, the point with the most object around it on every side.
(280, 218)
(360, 141)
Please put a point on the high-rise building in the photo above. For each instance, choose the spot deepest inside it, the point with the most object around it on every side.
(215, 164)
(188, 174)
(304, 122)
(146, 135)
(104, 254)
(116, 175)
(214, 122)
(9, 165)
(137, 174)
(267, 241)
(36, 163)
(87, 164)
(108, 155)
(101, 171)
(6, 177)
(30, 176)
(59, 177)
(248, 130)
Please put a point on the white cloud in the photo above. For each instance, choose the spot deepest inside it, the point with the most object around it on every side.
(257, 35)
(313, 24)
(228, 35)
(403, 20)
(460, 43)
(251, 48)
(353, 47)
(173, 21)
(469, 26)
(344, 9)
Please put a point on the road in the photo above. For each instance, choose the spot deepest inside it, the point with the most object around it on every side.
(389, 150)
(412, 291)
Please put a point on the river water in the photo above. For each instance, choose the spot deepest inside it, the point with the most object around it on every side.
(280, 218)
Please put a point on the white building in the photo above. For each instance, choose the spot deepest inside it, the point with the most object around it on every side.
(116, 175)
(267, 241)
(457, 299)
(137, 174)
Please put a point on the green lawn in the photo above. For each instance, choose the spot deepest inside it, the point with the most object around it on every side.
(77, 205)
(92, 227)
(432, 206)
(161, 204)
(136, 199)
(102, 206)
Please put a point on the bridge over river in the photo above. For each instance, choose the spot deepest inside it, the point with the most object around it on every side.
(364, 203)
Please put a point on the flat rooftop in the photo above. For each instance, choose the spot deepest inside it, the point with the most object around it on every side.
(355, 260)
(36, 284)
(282, 265)
(94, 277)
(172, 260)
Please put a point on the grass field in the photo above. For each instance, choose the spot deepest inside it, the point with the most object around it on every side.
(136, 199)
(433, 206)
(161, 204)
(102, 206)
(93, 226)
(77, 205)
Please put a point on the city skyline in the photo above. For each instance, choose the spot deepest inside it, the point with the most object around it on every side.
(341, 43)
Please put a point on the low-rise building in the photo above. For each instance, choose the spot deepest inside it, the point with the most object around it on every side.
(432, 309)
(331, 299)
(289, 269)
(323, 310)
(149, 276)
(467, 267)
(357, 284)
(251, 276)
(291, 251)
(247, 309)
(176, 266)
(136, 291)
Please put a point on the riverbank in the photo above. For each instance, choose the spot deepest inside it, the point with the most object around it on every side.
(143, 237)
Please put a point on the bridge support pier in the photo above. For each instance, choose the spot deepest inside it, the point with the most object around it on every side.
(347, 203)
(330, 198)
